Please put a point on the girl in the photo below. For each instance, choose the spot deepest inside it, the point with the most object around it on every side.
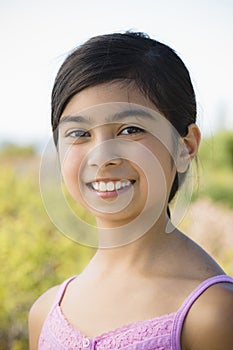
(123, 117)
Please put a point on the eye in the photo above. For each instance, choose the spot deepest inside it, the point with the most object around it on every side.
(132, 130)
(78, 133)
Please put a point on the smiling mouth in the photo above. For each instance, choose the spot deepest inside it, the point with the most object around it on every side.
(110, 186)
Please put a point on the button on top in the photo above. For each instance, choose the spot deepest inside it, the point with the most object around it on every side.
(86, 342)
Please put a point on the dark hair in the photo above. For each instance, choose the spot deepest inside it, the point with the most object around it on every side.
(152, 66)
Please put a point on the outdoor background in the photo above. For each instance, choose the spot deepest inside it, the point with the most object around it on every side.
(35, 37)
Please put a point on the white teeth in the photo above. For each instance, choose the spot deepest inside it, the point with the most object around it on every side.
(118, 185)
(95, 185)
(110, 185)
(102, 186)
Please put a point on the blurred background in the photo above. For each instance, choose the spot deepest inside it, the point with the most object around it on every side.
(35, 39)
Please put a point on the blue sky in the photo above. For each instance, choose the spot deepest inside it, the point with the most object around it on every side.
(36, 35)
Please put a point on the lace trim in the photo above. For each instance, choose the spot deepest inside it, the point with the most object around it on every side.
(150, 334)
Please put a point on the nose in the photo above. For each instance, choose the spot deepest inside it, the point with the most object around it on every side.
(104, 155)
(103, 159)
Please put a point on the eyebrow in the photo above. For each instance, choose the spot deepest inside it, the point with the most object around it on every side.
(74, 119)
(116, 117)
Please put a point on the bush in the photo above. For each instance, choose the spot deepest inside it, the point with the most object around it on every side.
(216, 166)
(33, 255)
(11, 150)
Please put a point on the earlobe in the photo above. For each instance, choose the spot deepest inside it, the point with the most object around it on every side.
(192, 140)
(188, 148)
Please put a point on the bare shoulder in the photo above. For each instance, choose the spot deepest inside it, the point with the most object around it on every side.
(196, 261)
(209, 323)
(38, 314)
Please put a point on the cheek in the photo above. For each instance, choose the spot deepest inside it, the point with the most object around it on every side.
(163, 168)
(70, 168)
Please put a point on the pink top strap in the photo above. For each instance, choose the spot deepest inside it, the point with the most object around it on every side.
(61, 292)
(184, 309)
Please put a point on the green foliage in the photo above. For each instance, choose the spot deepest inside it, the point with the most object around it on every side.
(33, 255)
(12, 150)
(216, 168)
(217, 151)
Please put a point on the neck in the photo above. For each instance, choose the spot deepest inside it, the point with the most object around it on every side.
(113, 234)
(140, 254)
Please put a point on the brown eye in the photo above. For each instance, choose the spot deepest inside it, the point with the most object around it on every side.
(78, 133)
(131, 130)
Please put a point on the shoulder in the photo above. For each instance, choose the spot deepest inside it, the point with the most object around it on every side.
(209, 323)
(192, 261)
(38, 314)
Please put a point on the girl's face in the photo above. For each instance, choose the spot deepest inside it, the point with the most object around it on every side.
(114, 153)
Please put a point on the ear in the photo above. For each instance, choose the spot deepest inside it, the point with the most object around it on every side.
(189, 148)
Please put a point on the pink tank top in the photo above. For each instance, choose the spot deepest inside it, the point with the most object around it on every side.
(160, 333)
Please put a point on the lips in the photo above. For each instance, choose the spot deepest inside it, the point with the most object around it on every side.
(103, 186)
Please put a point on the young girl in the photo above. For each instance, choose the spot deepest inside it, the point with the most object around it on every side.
(123, 117)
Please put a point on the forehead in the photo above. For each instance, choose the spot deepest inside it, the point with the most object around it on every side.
(107, 93)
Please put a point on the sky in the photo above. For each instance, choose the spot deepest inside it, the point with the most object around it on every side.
(36, 36)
